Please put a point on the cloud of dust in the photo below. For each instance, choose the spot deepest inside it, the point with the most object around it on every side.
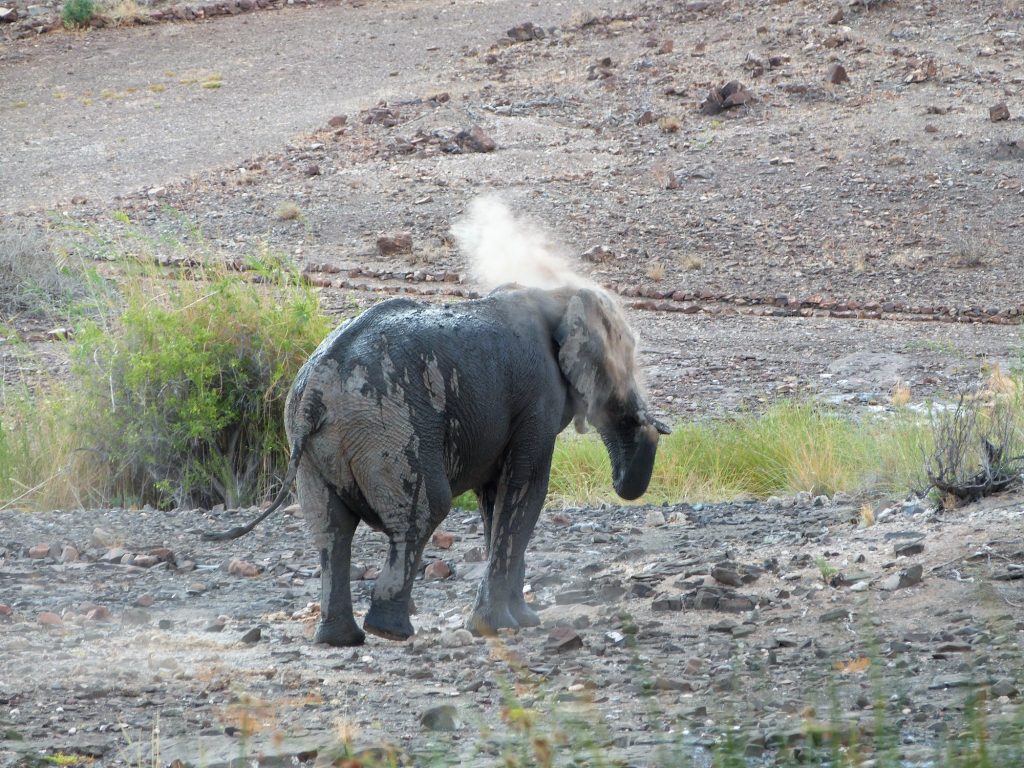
(503, 248)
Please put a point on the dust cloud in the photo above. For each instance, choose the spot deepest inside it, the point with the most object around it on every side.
(504, 248)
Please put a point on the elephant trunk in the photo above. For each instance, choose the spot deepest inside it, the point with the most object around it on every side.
(632, 460)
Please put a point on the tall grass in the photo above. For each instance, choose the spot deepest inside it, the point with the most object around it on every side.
(789, 447)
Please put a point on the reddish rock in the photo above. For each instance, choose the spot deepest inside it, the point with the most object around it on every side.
(337, 121)
(564, 639)
(392, 243)
(999, 112)
(49, 618)
(145, 561)
(145, 600)
(69, 554)
(525, 32)
(474, 140)
(243, 568)
(39, 551)
(5, 610)
(837, 74)
(437, 571)
(443, 539)
(837, 16)
(99, 613)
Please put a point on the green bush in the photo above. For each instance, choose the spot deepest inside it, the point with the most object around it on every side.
(77, 13)
(182, 400)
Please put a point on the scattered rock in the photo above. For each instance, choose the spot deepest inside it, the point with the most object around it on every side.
(145, 600)
(475, 555)
(458, 638)
(8, 15)
(655, 518)
(836, 614)
(338, 121)
(69, 554)
(40, 551)
(562, 639)
(393, 243)
(732, 94)
(908, 577)
(440, 718)
(837, 74)
(1004, 686)
(243, 568)
(837, 16)
(999, 112)
(437, 571)
(907, 548)
(49, 618)
(525, 32)
(726, 573)
(252, 636)
(443, 539)
(99, 613)
(5, 610)
(474, 140)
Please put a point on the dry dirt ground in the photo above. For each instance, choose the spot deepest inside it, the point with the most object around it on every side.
(825, 239)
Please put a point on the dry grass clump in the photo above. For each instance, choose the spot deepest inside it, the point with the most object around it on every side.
(33, 280)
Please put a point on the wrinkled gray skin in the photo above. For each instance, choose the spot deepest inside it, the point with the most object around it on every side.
(409, 405)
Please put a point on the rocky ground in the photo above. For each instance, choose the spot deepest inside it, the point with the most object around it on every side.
(808, 235)
(662, 627)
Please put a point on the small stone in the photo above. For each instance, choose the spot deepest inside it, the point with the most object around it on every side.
(5, 610)
(49, 619)
(458, 638)
(252, 636)
(743, 630)
(564, 639)
(836, 614)
(908, 577)
(217, 625)
(338, 121)
(437, 571)
(39, 551)
(99, 613)
(1004, 687)
(243, 568)
(443, 539)
(102, 538)
(908, 548)
(196, 588)
(69, 554)
(837, 74)
(392, 243)
(667, 603)
(655, 518)
(475, 555)
(669, 684)
(145, 561)
(312, 170)
(525, 32)
(474, 140)
(726, 573)
(8, 15)
(837, 16)
(145, 600)
(999, 112)
(440, 718)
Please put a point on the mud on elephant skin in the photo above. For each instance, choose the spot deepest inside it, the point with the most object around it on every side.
(409, 405)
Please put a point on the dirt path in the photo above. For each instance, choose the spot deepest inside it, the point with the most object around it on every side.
(115, 111)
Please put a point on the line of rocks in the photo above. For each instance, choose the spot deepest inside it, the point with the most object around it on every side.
(687, 302)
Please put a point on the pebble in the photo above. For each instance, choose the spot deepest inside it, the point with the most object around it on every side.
(999, 112)
(837, 74)
(475, 555)
(908, 577)
(243, 568)
(49, 618)
(5, 610)
(836, 614)
(442, 718)
(392, 243)
(99, 613)
(437, 571)
(39, 551)
(443, 539)
(563, 639)
(655, 518)
(69, 554)
(458, 638)
(252, 636)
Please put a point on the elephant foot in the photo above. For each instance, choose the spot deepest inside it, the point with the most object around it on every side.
(339, 634)
(389, 622)
(524, 615)
(487, 621)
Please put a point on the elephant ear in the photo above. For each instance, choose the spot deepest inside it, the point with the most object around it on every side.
(595, 353)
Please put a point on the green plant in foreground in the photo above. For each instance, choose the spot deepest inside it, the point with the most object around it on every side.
(77, 13)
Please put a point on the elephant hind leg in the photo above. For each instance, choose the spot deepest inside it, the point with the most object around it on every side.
(334, 525)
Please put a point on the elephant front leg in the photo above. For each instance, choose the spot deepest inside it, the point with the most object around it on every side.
(337, 626)
(388, 616)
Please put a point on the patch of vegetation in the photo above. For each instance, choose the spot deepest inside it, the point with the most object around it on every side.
(34, 280)
(789, 447)
(182, 398)
(77, 13)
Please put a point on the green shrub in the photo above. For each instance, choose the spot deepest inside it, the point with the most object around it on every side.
(77, 13)
(182, 400)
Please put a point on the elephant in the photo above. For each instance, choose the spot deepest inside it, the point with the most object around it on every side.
(410, 404)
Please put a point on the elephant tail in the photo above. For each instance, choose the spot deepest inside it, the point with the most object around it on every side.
(289, 478)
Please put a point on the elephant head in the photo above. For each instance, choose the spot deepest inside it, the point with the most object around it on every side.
(596, 352)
